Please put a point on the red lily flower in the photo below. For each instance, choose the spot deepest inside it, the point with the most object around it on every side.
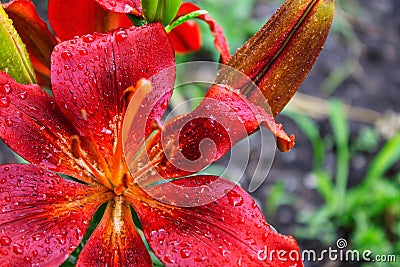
(76, 18)
(79, 133)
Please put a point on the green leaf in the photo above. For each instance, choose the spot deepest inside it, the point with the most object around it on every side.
(311, 130)
(14, 59)
(185, 18)
(325, 187)
(389, 155)
(340, 129)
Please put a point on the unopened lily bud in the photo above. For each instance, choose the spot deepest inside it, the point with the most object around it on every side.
(160, 10)
(279, 56)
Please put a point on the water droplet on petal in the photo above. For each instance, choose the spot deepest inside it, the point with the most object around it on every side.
(164, 104)
(241, 219)
(88, 38)
(18, 249)
(83, 51)
(5, 88)
(80, 66)
(5, 241)
(168, 259)
(234, 198)
(66, 54)
(185, 253)
(9, 122)
(37, 237)
(61, 239)
(273, 229)
(22, 95)
(27, 259)
(120, 35)
(67, 67)
(4, 102)
(128, 9)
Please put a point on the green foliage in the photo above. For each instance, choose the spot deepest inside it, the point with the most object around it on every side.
(368, 212)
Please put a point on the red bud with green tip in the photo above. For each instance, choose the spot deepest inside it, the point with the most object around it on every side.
(279, 56)
(160, 10)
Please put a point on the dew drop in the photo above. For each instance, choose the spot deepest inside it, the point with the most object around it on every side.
(78, 234)
(164, 104)
(66, 54)
(80, 66)
(88, 38)
(273, 229)
(236, 108)
(27, 259)
(6, 89)
(168, 259)
(59, 71)
(185, 253)
(5, 241)
(4, 102)
(121, 35)
(3, 181)
(234, 198)
(83, 51)
(35, 253)
(67, 67)
(22, 95)
(241, 219)
(9, 122)
(18, 249)
(37, 237)
(61, 239)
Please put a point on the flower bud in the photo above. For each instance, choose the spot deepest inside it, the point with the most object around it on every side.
(160, 10)
(280, 55)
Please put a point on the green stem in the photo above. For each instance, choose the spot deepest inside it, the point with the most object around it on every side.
(185, 18)
(138, 21)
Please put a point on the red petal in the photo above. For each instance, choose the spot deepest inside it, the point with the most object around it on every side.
(33, 126)
(186, 37)
(35, 35)
(228, 231)
(219, 38)
(89, 75)
(79, 17)
(122, 6)
(115, 242)
(116, 20)
(43, 218)
(193, 141)
(72, 18)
